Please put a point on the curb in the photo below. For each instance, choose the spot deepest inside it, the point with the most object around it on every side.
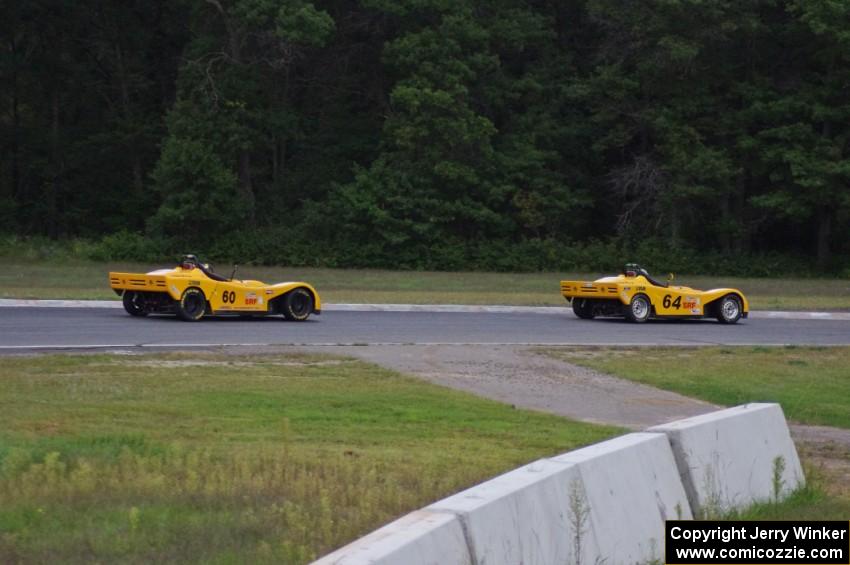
(432, 308)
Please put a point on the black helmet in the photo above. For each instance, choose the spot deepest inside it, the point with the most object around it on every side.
(189, 262)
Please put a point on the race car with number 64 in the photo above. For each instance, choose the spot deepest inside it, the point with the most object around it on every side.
(636, 296)
(192, 289)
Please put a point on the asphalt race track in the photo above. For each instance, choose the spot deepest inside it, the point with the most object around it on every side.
(23, 328)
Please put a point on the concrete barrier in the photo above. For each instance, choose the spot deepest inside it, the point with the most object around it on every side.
(419, 538)
(631, 486)
(604, 503)
(520, 517)
(732, 458)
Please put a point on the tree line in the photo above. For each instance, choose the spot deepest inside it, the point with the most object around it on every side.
(430, 133)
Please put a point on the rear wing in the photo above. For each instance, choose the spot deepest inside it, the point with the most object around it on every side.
(586, 289)
(137, 281)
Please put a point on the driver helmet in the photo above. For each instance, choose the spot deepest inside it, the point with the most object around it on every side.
(188, 263)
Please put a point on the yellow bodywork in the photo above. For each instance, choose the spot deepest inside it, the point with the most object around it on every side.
(666, 301)
(229, 296)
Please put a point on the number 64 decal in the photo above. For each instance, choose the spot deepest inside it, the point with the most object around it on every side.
(228, 297)
(675, 303)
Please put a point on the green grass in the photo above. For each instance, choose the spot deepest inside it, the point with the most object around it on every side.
(280, 458)
(232, 459)
(33, 278)
(826, 495)
(812, 502)
(812, 384)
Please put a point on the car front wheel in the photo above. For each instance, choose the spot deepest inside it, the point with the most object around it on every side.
(297, 305)
(729, 310)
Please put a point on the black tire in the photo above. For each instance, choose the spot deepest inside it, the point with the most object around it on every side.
(297, 305)
(583, 308)
(192, 305)
(729, 309)
(134, 303)
(639, 309)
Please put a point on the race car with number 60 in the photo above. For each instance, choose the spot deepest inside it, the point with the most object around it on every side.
(192, 289)
(636, 296)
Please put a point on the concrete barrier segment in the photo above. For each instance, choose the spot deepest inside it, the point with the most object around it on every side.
(419, 538)
(731, 458)
(522, 516)
(630, 485)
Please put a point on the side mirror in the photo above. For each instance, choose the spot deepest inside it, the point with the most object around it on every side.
(670, 277)
(233, 273)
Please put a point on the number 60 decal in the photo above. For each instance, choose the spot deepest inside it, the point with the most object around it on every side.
(228, 297)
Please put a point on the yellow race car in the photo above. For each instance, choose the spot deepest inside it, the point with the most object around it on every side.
(636, 296)
(192, 289)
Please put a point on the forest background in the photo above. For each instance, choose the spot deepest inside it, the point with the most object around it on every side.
(706, 136)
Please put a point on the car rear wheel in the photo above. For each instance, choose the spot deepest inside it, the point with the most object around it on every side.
(192, 305)
(729, 309)
(583, 308)
(134, 303)
(297, 305)
(639, 309)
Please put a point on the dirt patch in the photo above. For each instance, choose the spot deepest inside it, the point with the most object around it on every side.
(827, 451)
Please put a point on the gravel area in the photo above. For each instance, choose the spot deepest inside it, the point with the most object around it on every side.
(526, 379)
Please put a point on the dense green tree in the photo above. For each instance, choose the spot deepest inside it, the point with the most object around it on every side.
(431, 179)
(653, 96)
(234, 88)
(472, 146)
(87, 86)
(431, 133)
(804, 141)
(199, 194)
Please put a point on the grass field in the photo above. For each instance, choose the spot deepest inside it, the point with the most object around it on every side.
(812, 384)
(221, 458)
(229, 459)
(31, 278)
(825, 498)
